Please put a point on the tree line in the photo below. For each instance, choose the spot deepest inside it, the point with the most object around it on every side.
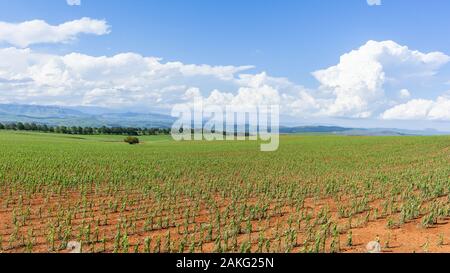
(78, 130)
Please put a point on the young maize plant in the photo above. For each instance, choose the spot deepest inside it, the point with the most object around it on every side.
(302, 198)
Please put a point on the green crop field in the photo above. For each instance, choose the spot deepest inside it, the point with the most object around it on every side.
(315, 194)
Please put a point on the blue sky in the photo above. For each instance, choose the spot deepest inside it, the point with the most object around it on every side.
(284, 39)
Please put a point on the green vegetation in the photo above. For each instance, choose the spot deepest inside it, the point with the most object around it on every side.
(78, 130)
(214, 196)
(131, 140)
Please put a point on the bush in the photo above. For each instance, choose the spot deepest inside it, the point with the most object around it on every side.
(132, 140)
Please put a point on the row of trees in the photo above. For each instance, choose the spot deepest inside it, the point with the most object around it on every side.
(77, 130)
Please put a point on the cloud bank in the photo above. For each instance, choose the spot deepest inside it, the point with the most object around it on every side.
(357, 85)
(122, 80)
(420, 109)
(34, 32)
(379, 80)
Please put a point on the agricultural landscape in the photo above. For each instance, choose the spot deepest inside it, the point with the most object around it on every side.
(316, 194)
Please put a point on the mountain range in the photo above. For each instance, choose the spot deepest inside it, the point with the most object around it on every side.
(81, 116)
(98, 117)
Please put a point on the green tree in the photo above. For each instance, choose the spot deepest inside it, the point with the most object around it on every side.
(131, 140)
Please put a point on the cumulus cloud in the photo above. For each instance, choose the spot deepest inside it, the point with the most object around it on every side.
(404, 94)
(414, 109)
(133, 81)
(420, 109)
(374, 2)
(249, 95)
(38, 31)
(364, 84)
(369, 82)
(262, 89)
(73, 2)
(356, 86)
(122, 80)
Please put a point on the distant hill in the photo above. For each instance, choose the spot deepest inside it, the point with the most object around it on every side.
(37, 111)
(358, 131)
(55, 115)
(98, 117)
(313, 129)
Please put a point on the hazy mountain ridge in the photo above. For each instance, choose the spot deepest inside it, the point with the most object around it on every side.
(55, 115)
(358, 131)
(98, 117)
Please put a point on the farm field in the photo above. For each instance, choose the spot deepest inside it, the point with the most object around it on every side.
(315, 194)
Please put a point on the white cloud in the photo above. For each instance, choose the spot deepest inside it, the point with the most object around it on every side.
(420, 109)
(356, 87)
(414, 109)
(133, 81)
(262, 89)
(370, 81)
(37, 31)
(374, 2)
(123, 80)
(404, 94)
(73, 2)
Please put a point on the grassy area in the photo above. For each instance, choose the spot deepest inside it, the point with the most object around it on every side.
(215, 196)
